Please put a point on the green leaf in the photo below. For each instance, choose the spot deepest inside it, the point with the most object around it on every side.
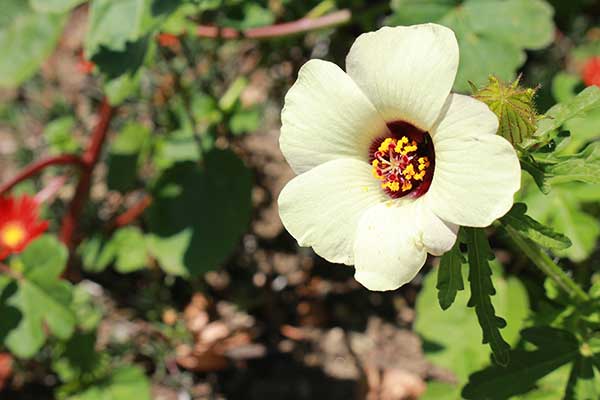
(441, 391)
(583, 382)
(245, 121)
(452, 338)
(450, 279)
(199, 214)
(132, 254)
(114, 23)
(124, 383)
(555, 348)
(59, 135)
(54, 6)
(125, 155)
(176, 147)
(88, 313)
(581, 167)
(482, 289)
(492, 34)
(42, 298)
(11, 316)
(584, 102)
(122, 68)
(563, 210)
(26, 38)
(533, 230)
(126, 248)
(77, 358)
(233, 93)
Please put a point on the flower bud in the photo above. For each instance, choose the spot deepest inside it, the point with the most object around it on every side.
(513, 105)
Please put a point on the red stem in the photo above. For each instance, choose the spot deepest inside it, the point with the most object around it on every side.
(90, 158)
(40, 165)
(132, 213)
(277, 30)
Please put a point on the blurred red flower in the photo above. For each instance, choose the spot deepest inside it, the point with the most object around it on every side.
(19, 224)
(591, 72)
(168, 40)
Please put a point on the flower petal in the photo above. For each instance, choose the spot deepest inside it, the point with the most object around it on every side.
(406, 71)
(464, 116)
(326, 116)
(437, 235)
(387, 250)
(321, 208)
(476, 174)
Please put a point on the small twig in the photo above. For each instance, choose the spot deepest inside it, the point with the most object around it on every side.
(38, 166)
(278, 30)
(71, 219)
(132, 213)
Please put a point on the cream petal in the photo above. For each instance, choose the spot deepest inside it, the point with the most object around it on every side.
(406, 71)
(437, 235)
(321, 208)
(326, 116)
(388, 251)
(463, 116)
(475, 179)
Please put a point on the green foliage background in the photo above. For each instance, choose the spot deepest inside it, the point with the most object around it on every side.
(178, 136)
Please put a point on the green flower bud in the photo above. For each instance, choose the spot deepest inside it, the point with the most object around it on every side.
(514, 106)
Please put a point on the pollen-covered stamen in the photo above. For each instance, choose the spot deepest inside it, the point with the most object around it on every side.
(398, 164)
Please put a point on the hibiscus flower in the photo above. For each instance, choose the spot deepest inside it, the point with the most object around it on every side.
(19, 224)
(389, 162)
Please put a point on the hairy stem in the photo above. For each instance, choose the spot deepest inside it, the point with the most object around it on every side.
(132, 213)
(278, 30)
(548, 267)
(90, 158)
(38, 166)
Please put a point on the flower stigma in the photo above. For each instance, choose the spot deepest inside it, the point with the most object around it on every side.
(403, 163)
(12, 235)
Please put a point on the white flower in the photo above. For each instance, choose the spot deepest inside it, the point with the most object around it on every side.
(390, 163)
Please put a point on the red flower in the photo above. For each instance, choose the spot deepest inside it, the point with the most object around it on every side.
(168, 40)
(591, 72)
(84, 65)
(19, 224)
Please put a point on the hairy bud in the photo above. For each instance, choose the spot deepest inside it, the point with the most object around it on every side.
(514, 106)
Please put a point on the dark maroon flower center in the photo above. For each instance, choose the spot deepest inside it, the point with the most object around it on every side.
(403, 161)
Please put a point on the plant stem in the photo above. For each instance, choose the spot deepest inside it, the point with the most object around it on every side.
(38, 166)
(278, 30)
(545, 263)
(132, 213)
(90, 158)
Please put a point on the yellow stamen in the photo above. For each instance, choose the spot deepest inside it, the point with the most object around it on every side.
(12, 235)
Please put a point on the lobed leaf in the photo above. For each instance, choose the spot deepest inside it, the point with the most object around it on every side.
(41, 297)
(452, 337)
(583, 383)
(563, 210)
(525, 367)
(491, 34)
(26, 38)
(123, 383)
(584, 102)
(533, 230)
(581, 167)
(450, 279)
(482, 289)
